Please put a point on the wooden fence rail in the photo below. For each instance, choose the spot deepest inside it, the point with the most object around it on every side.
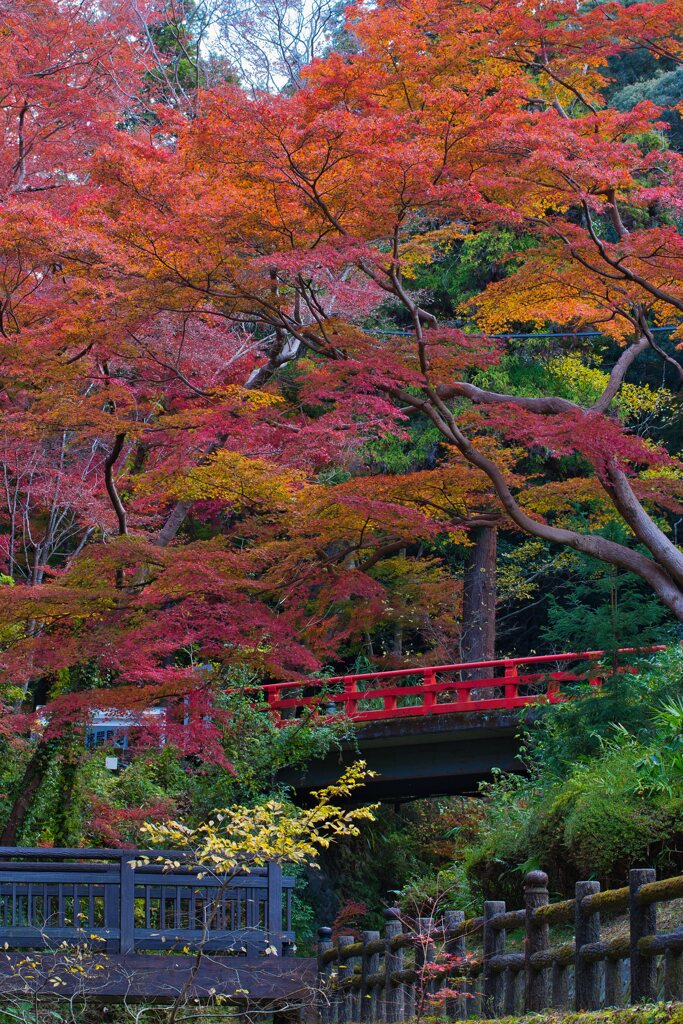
(463, 969)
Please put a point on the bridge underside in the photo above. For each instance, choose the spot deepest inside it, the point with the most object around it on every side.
(422, 756)
(260, 982)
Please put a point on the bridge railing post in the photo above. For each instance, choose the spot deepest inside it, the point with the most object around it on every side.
(390, 703)
(428, 696)
(511, 677)
(553, 689)
(350, 695)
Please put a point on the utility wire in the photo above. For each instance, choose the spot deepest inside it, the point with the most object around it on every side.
(545, 334)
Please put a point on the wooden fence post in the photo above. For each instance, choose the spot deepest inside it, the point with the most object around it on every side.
(393, 961)
(586, 930)
(456, 946)
(494, 944)
(368, 991)
(325, 971)
(274, 926)
(673, 975)
(559, 985)
(536, 941)
(643, 922)
(127, 912)
(345, 971)
(424, 954)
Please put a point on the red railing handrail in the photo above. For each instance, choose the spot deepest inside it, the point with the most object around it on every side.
(457, 694)
(533, 659)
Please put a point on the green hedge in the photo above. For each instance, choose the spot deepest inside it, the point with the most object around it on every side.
(652, 1013)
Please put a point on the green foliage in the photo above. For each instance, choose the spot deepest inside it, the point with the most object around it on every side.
(609, 606)
(470, 265)
(566, 733)
(653, 1013)
(560, 600)
(665, 88)
(602, 821)
(396, 453)
(605, 788)
(258, 749)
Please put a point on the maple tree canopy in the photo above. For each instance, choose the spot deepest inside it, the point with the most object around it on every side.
(187, 300)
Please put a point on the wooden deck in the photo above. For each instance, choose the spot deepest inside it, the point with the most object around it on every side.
(264, 982)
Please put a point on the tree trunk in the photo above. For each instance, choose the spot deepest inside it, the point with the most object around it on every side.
(478, 641)
(30, 783)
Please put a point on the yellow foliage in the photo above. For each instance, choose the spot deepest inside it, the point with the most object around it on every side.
(662, 472)
(242, 482)
(239, 837)
(422, 248)
(587, 382)
(252, 399)
(521, 572)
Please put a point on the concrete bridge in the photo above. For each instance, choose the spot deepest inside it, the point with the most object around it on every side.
(429, 756)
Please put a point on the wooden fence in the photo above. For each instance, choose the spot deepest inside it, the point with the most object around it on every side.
(462, 969)
(112, 900)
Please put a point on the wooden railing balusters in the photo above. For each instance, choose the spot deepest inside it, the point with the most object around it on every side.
(673, 974)
(346, 971)
(425, 955)
(559, 995)
(369, 992)
(502, 971)
(455, 947)
(614, 994)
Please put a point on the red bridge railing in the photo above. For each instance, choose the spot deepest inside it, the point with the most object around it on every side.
(499, 685)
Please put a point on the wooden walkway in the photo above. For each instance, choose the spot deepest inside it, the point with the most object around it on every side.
(142, 977)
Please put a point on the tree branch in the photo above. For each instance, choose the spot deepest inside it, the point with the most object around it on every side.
(669, 592)
(110, 483)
